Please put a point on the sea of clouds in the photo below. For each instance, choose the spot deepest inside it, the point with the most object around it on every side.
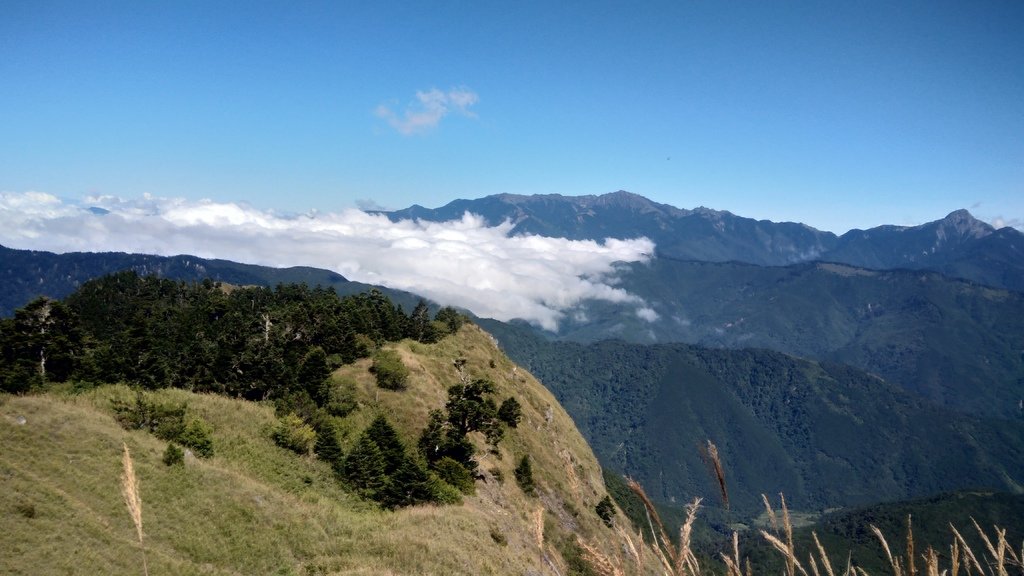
(463, 262)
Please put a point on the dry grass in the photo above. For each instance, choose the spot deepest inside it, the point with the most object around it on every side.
(709, 453)
(132, 499)
(676, 560)
(999, 558)
(255, 508)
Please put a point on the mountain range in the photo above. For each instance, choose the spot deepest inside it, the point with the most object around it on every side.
(880, 364)
(957, 246)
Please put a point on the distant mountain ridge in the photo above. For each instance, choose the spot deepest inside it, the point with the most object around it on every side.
(26, 274)
(822, 433)
(958, 245)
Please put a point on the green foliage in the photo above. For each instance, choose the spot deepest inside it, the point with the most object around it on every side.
(173, 455)
(164, 420)
(198, 435)
(454, 473)
(327, 446)
(524, 475)
(824, 434)
(606, 510)
(450, 318)
(420, 326)
(468, 409)
(339, 397)
(364, 468)
(389, 370)
(293, 433)
(379, 469)
(468, 406)
(510, 412)
(313, 372)
(251, 342)
(41, 344)
(442, 492)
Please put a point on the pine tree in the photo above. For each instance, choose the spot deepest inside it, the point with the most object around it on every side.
(363, 468)
(510, 412)
(524, 475)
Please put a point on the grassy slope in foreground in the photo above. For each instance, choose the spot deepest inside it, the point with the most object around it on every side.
(255, 508)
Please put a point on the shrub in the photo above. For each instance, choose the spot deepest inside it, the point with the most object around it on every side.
(524, 475)
(293, 433)
(455, 474)
(442, 492)
(198, 436)
(174, 456)
(340, 397)
(165, 421)
(391, 373)
(605, 510)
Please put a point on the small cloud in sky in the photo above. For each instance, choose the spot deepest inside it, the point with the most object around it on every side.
(1001, 222)
(647, 313)
(463, 262)
(429, 108)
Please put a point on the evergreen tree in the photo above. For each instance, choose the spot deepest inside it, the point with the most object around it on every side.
(327, 446)
(313, 372)
(510, 412)
(451, 318)
(468, 408)
(384, 435)
(363, 468)
(524, 475)
(606, 510)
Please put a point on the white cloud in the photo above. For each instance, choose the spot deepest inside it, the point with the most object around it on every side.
(647, 313)
(1000, 222)
(463, 262)
(428, 110)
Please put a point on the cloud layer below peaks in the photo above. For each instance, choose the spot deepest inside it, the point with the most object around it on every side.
(463, 262)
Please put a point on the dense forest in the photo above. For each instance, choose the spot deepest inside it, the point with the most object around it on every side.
(258, 343)
(823, 433)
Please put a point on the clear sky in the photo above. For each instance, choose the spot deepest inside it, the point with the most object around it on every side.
(841, 114)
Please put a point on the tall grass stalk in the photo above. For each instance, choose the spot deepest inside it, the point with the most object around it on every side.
(130, 491)
(677, 561)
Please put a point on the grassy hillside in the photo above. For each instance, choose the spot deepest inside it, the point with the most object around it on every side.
(256, 508)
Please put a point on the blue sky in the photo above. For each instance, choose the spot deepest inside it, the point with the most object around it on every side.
(838, 114)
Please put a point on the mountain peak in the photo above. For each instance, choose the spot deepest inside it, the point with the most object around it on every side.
(963, 224)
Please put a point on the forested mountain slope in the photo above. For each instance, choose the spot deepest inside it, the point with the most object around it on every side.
(956, 343)
(824, 434)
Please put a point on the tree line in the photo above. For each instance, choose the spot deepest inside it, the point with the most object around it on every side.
(248, 342)
(259, 343)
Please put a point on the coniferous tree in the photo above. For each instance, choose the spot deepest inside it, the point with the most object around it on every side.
(313, 372)
(510, 412)
(327, 446)
(524, 475)
(606, 510)
(363, 468)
